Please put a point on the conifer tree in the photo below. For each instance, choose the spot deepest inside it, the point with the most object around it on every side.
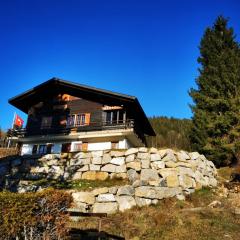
(216, 108)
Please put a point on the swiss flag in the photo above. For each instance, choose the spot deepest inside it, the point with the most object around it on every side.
(18, 121)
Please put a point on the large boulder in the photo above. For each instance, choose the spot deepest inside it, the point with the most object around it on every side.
(109, 207)
(109, 168)
(131, 151)
(149, 174)
(125, 202)
(84, 197)
(136, 165)
(126, 190)
(172, 181)
(106, 197)
(93, 175)
(118, 161)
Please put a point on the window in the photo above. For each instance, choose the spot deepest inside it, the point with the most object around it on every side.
(70, 120)
(42, 149)
(115, 117)
(80, 120)
(76, 120)
(46, 122)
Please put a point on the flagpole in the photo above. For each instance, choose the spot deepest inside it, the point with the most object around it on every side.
(14, 115)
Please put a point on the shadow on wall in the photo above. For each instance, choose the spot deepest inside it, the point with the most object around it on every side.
(92, 234)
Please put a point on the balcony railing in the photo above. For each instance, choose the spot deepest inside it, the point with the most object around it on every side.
(93, 126)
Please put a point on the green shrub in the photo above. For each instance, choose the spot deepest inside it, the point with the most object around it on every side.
(33, 215)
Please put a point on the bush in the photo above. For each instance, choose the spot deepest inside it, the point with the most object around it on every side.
(33, 216)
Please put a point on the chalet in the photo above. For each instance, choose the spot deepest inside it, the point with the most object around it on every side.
(68, 117)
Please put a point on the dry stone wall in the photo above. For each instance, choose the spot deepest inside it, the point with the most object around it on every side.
(153, 173)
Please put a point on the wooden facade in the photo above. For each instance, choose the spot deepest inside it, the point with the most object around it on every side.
(57, 107)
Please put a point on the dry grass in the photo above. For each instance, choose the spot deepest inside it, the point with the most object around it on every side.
(170, 220)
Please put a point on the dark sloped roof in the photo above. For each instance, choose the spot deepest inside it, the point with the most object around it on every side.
(55, 86)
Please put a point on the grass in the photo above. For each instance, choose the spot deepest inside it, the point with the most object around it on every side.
(83, 185)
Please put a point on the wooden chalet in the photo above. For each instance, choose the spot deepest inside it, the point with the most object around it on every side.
(67, 117)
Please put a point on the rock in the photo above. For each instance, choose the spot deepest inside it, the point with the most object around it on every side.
(157, 165)
(118, 176)
(180, 197)
(97, 154)
(163, 153)
(109, 208)
(236, 211)
(183, 156)
(121, 169)
(215, 204)
(77, 176)
(80, 207)
(118, 161)
(3, 170)
(126, 190)
(155, 201)
(194, 155)
(183, 164)
(86, 161)
(132, 175)
(134, 165)
(143, 149)
(170, 164)
(131, 151)
(125, 202)
(186, 171)
(98, 191)
(81, 155)
(143, 156)
(158, 183)
(97, 160)
(84, 197)
(149, 175)
(168, 171)
(109, 168)
(117, 154)
(156, 192)
(153, 150)
(142, 201)
(145, 163)
(155, 157)
(74, 162)
(212, 182)
(106, 158)
(130, 158)
(170, 156)
(113, 190)
(108, 197)
(94, 167)
(186, 181)
(16, 162)
(172, 181)
(92, 175)
(83, 169)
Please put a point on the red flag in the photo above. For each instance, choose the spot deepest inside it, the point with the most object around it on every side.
(18, 121)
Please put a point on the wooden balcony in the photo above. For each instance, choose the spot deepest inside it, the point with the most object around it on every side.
(93, 126)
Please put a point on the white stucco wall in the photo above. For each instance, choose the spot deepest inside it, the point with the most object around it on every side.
(26, 149)
(124, 144)
(99, 146)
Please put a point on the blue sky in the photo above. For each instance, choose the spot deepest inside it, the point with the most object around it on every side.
(144, 48)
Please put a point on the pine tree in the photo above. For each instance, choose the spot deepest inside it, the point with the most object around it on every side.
(216, 108)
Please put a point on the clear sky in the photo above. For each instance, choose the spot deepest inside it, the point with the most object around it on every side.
(144, 48)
